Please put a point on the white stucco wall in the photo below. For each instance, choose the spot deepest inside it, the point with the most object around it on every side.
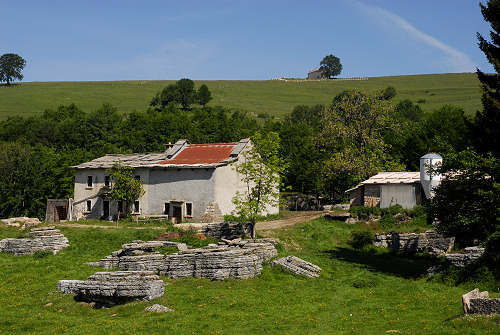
(397, 194)
(196, 186)
(83, 193)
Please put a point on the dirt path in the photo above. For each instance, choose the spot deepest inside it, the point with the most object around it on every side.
(289, 221)
(265, 225)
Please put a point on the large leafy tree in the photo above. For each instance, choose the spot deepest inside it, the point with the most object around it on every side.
(260, 168)
(330, 66)
(488, 120)
(353, 129)
(204, 95)
(11, 66)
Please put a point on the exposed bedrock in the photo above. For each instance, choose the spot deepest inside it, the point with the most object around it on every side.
(412, 242)
(476, 302)
(111, 288)
(43, 238)
(228, 259)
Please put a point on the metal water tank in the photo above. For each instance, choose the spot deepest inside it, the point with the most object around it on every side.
(428, 179)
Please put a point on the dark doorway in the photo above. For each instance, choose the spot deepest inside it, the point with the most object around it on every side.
(105, 209)
(61, 213)
(177, 215)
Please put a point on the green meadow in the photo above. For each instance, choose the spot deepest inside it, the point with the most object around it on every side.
(274, 97)
(367, 291)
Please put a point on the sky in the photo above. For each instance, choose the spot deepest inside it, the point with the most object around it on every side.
(239, 40)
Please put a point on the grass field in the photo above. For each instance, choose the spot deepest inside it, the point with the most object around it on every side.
(367, 291)
(273, 97)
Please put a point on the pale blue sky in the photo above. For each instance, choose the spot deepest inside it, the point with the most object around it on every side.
(121, 39)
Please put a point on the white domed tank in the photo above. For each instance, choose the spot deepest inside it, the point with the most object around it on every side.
(428, 179)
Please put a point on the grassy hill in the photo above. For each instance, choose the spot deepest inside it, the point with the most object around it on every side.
(269, 96)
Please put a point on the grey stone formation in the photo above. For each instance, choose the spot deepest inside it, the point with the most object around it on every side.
(158, 308)
(475, 302)
(412, 242)
(111, 288)
(235, 258)
(43, 238)
(227, 230)
(298, 266)
(470, 255)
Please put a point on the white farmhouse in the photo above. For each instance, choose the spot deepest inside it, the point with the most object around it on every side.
(187, 182)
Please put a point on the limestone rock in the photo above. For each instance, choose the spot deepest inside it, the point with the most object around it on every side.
(227, 230)
(43, 238)
(235, 258)
(298, 266)
(110, 288)
(463, 259)
(337, 216)
(158, 308)
(22, 222)
(412, 242)
(476, 302)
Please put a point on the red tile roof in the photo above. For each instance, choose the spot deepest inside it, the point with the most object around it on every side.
(210, 153)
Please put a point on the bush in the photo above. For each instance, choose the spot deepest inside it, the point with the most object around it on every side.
(361, 238)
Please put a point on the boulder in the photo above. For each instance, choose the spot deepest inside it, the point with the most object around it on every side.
(298, 266)
(337, 216)
(111, 288)
(227, 230)
(43, 238)
(476, 302)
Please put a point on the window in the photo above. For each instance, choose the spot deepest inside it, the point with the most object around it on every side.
(189, 209)
(89, 206)
(89, 181)
(107, 181)
(136, 206)
(167, 208)
(120, 206)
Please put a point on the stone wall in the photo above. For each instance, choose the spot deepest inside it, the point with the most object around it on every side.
(412, 242)
(43, 238)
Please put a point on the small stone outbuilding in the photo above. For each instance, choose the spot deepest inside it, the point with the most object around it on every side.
(316, 73)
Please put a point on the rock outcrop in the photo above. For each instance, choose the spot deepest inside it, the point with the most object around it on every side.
(228, 259)
(412, 242)
(470, 255)
(227, 230)
(475, 302)
(298, 266)
(43, 238)
(21, 222)
(111, 288)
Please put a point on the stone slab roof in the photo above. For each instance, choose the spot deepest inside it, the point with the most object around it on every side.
(180, 155)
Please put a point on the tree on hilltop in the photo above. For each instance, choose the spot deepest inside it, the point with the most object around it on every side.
(204, 95)
(11, 66)
(330, 66)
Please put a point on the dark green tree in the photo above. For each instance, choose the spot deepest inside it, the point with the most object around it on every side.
(488, 120)
(388, 93)
(330, 66)
(169, 94)
(187, 94)
(204, 95)
(11, 66)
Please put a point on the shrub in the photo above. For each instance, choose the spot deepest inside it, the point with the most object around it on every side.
(361, 238)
